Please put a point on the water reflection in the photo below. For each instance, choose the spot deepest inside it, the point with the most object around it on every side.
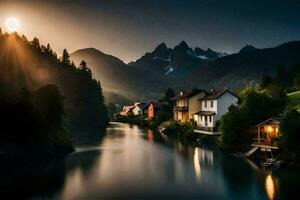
(270, 187)
(197, 165)
(134, 163)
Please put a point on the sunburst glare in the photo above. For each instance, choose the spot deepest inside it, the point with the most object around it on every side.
(12, 24)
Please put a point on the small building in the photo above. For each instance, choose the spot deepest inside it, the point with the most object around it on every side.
(212, 107)
(127, 110)
(268, 133)
(152, 109)
(139, 108)
(186, 104)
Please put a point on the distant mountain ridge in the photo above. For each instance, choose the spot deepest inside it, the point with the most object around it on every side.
(184, 67)
(166, 60)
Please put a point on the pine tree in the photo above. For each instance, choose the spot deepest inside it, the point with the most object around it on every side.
(66, 57)
(83, 65)
(36, 43)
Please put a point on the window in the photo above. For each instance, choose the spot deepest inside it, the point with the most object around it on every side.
(211, 103)
(205, 104)
(210, 118)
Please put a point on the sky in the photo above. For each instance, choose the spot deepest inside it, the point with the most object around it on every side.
(129, 28)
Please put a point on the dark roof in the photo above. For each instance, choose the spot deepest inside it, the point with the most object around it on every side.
(185, 94)
(142, 106)
(157, 105)
(205, 113)
(275, 121)
(215, 94)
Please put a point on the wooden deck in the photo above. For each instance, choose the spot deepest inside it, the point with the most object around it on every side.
(272, 144)
(266, 146)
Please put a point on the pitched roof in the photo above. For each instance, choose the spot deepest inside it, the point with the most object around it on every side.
(205, 113)
(157, 105)
(184, 94)
(215, 94)
(275, 120)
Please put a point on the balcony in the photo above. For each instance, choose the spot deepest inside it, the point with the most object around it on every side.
(181, 109)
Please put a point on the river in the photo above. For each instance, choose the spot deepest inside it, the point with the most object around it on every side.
(133, 163)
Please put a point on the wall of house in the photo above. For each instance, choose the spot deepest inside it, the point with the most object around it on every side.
(201, 120)
(150, 112)
(224, 102)
(195, 104)
(137, 111)
(182, 116)
(182, 102)
(212, 108)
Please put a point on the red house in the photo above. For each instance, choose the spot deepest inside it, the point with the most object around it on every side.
(152, 109)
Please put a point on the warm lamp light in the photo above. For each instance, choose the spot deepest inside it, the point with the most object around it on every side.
(269, 129)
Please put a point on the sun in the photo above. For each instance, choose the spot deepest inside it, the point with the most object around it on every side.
(12, 24)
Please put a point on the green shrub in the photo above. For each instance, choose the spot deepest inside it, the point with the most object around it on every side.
(290, 131)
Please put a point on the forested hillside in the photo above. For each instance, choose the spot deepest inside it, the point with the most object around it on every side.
(30, 65)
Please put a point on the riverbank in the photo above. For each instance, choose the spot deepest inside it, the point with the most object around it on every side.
(139, 120)
(56, 144)
(185, 133)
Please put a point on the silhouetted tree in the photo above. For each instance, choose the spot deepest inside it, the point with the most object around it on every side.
(65, 57)
(35, 43)
(83, 67)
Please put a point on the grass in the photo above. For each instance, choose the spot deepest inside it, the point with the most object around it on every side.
(293, 101)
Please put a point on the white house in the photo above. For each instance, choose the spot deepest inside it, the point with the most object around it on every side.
(139, 108)
(213, 106)
(186, 104)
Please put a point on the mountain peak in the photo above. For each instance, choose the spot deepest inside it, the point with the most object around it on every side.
(183, 44)
(247, 48)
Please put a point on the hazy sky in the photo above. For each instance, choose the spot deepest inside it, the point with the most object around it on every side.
(129, 28)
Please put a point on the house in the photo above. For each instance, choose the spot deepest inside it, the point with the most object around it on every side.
(186, 104)
(152, 109)
(268, 133)
(127, 110)
(139, 108)
(213, 105)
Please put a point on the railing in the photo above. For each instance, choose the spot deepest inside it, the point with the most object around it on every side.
(181, 108)
(265, 142)
(210, 129)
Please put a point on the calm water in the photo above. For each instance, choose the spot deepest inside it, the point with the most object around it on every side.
(132, 163)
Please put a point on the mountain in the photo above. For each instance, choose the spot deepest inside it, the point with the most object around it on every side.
(247, 66)
(118, 77)
(208, 54)
(182, 67)
(247, 48)
(177, 61)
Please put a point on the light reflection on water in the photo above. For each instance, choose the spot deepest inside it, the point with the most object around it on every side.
(131, 162)
(270, 187)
